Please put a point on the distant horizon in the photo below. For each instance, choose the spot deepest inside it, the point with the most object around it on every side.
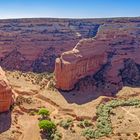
(67, 17)
(73, 9)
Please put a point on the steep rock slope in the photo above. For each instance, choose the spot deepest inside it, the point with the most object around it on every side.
(111, 59)
(33, 44)
(5, 92)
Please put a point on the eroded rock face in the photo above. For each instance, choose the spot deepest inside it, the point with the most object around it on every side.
(34, 44)
(5, 93)
(111, 59)
(76, 64)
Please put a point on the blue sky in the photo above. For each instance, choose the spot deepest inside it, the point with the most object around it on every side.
(69, 8)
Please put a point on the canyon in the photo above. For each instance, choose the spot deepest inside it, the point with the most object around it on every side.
(68, 66)
(110, 60)
(96, 44)
(34, 44)
(103, 53)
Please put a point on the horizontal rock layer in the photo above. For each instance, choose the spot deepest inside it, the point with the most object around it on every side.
(34, 44)
(111, 58)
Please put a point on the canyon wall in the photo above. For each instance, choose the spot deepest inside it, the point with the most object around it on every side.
(34, 44)
(111, 59)
(76, 64)
(5, 93)
(107, 50)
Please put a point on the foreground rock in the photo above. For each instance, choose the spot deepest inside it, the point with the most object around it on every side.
(111, 59)
(5, 93)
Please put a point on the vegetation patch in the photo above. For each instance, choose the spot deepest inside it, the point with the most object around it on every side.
(44, 112)
(48, 127)
(66, 123)
(103, 125)
(44, 79)
(84, 124)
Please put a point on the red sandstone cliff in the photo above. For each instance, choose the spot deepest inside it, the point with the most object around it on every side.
(34, 44)
(111, 59)
(5, 93)
(78, 63)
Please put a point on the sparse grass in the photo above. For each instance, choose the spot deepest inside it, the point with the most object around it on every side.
(103, 125)
(57, 136)
(85, 123)
(89, 133)
(20, 100)
(66, 123)
(41, 79)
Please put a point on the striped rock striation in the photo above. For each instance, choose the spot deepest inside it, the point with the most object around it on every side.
(110, 59)
(34, 44)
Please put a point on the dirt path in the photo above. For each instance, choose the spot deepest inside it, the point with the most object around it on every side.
(30, 127)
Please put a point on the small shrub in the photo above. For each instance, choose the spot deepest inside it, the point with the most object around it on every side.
(89, 133)
(32, 113)
(46, 125)
(120, 117)
(66, 123)
(85, 123)
(56, 136)
(44, 112)
(135, 134)
(20, 100)
(119, 134)
(73, 131)
(128, 134)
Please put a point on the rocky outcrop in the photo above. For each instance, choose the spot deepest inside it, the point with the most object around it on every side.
(5, 93)
(111, 59)
(78, 63)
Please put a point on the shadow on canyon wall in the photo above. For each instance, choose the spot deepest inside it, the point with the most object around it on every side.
(91, 87)
(5, 121)
(83, 97)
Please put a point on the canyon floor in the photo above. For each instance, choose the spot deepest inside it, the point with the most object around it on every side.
(34, 91)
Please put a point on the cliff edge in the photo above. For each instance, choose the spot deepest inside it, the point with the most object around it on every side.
(111, 58)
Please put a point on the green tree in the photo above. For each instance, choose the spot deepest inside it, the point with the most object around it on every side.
(44, 112)
(47, 126)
